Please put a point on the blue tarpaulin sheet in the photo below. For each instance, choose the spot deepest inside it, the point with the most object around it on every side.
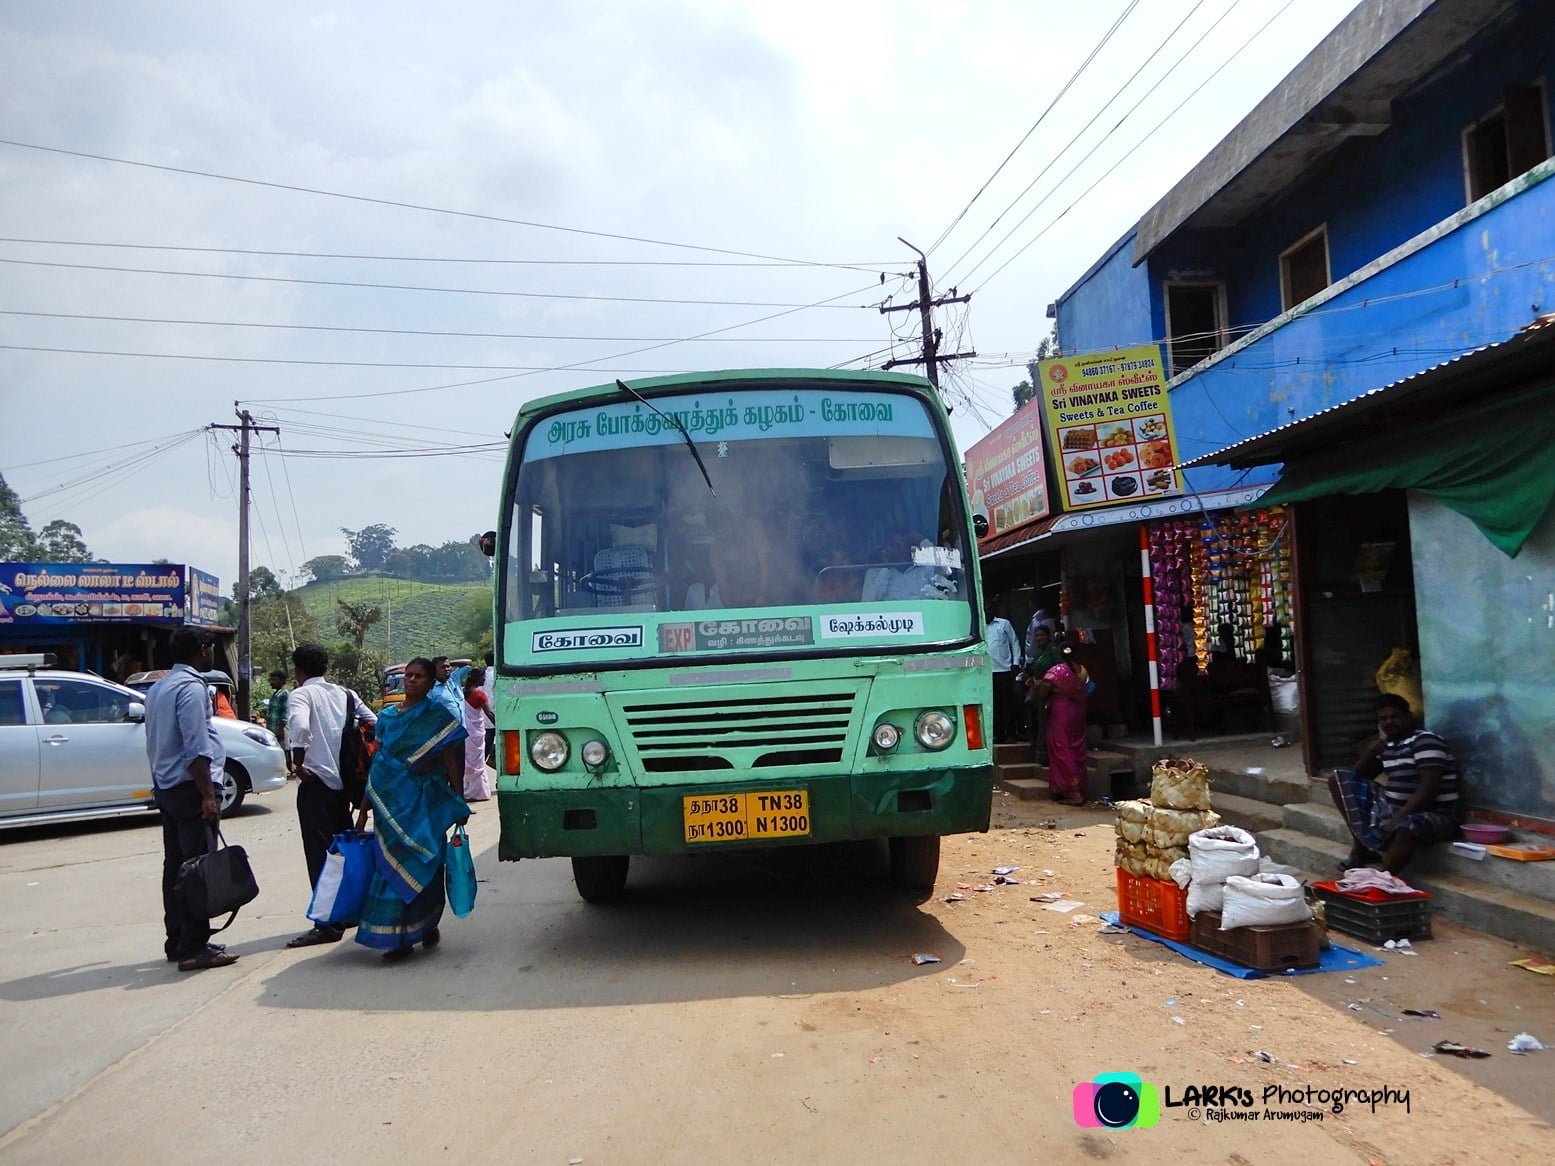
(1335, 959)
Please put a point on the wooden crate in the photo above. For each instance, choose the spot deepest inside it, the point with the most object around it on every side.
(1268, 949)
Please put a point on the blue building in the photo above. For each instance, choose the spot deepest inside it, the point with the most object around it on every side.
(1354, 292)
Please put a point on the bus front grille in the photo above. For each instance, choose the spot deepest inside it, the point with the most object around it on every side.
(755, 733)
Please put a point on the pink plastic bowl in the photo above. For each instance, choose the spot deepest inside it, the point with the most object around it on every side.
(1486, 833)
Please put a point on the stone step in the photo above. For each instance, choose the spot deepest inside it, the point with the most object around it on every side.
(1019, 770)
(1278, 791)
(1024, 788)
(1252, 816)
(1471, 902)
(1011, 754)
(1528, 878)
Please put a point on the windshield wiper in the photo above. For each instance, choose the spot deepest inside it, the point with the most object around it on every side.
(675, 421)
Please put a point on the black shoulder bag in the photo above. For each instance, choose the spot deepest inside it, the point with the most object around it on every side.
(355, 755)
(219, 882)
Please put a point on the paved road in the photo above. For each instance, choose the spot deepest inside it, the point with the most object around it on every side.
(763, 1008)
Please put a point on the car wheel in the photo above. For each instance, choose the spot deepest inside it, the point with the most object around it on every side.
(600, 878)
(234, 788)
(915, 862)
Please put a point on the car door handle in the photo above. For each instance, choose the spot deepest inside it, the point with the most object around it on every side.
(55, 740)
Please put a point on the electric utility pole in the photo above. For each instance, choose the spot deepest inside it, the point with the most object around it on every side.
(931, 358)
(245, 427)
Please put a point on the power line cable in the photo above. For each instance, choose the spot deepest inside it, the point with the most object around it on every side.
(527, 368)
(797, 265)
(340, 328)
(463, 291)
(1073, 77)
(401, 205)
(1129, 79)
(1124, 157)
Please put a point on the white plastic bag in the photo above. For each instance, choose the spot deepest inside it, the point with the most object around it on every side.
(1283, 692)
(1182, 873)
(1263, 901)
(1220, 852)
(1205, 897)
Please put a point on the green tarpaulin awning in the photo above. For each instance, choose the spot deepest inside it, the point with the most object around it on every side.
(1493, 463)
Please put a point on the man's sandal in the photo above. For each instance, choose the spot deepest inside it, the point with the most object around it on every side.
(207, 959)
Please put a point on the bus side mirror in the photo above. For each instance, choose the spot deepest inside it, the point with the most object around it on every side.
(488, 544)
(979, 526)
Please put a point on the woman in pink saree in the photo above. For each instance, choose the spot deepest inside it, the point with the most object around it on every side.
(1063, 687)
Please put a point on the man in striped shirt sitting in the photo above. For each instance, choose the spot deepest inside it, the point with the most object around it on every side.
(1419, 800)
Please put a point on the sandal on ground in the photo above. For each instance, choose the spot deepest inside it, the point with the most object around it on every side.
(173, 959)
(207, 959)
(432, 939)
(316, 936)
(396, 955)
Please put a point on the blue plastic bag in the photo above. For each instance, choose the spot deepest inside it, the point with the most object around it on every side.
(460, 867)
(342, 887)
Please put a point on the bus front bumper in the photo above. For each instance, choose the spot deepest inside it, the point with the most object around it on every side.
(650, 820)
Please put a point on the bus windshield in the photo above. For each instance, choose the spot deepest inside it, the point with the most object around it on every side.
(812, 497)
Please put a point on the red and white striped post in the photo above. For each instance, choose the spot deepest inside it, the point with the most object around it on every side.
(1152, 649)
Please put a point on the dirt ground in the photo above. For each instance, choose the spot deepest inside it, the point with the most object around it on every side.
(755, 1006)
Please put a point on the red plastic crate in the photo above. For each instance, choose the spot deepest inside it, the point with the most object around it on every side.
(1370, 894)
(1154, 905)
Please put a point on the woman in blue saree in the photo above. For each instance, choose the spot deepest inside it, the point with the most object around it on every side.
(412, 792)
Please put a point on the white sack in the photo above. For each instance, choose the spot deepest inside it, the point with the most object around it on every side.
(1220, 852)
(1205, 897)
(1182, 873)
(1263, 901)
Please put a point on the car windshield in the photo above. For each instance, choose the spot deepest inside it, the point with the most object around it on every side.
(810, 497)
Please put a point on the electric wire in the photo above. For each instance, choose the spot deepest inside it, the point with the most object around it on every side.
(402, 205)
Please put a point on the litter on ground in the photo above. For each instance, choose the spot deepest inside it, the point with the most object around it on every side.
(924, 957)
(1525, 1043)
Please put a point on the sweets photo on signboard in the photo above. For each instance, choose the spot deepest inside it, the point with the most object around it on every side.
(1078, 437)
(1079, 467)
(1115, 434)
(1123, 485)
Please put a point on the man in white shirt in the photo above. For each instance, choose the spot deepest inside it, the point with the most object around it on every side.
(315, 722)
(1004, 655)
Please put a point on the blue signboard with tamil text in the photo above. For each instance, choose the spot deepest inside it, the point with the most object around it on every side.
(44, 594)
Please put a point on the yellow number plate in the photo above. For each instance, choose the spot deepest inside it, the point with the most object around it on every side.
(742, 817)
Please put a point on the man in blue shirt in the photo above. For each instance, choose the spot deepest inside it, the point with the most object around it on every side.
(186, 770)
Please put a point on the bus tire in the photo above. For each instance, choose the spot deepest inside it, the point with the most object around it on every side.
(600, 878)
(915, 861)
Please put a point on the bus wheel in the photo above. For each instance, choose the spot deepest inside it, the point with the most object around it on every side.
(915, 861)
(601, 878)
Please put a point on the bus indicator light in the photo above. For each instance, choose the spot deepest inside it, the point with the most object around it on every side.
(972, 718)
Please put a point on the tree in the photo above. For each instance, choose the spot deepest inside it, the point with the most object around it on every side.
(262, 584)
(61, 542)
(370, 546)
(16, 539)
(276, 626)
(473, 624)
(323, 568)
(360, 671)
(1050, 347)
(355, 619)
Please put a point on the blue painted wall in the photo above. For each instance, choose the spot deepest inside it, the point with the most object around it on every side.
(1372, 193)
(1109, 307)
(1486, 643)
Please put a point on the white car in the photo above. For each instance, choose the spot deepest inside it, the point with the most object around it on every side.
(73, 745)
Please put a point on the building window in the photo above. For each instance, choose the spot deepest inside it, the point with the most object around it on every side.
(1304, 269)
(1507, 142)
(1195, 323)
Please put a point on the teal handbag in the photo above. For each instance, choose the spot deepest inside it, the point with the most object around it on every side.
(459, 866)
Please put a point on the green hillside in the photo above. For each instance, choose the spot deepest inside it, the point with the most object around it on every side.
(422, 617)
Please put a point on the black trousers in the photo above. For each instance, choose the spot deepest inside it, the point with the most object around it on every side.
(322, 813)
(1003, 706)
(185, 835)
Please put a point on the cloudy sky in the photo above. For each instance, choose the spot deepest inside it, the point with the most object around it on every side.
(382, 227)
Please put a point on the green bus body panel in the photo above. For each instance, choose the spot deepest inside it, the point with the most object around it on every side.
(856, 795)
(648, 821)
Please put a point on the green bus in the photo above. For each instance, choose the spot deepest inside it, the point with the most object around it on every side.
(738, 609)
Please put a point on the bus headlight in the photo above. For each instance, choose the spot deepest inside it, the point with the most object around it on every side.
(549, 751)
(595, 754)
(886, 736)
(934, 730)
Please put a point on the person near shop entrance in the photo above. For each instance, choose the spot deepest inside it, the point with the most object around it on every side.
(1042, 655)
(1004, 654)
(186, 769)
(1063, 689)
(316, 722)
(1403, 793)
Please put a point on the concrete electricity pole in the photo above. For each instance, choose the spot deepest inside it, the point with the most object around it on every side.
(931, 358)
(245, 427)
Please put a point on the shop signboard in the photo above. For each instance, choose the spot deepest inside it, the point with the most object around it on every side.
(204, 599)
(1006, 474)
(50, 594)
(1110, 426)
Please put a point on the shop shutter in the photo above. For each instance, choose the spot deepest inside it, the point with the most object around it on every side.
(1348, 638)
